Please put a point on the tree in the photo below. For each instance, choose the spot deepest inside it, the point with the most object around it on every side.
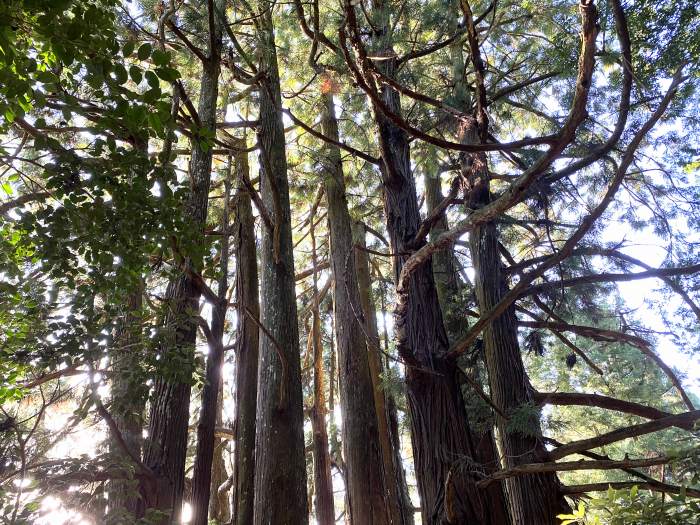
(280, 473)
(247, 348)
(169, 412)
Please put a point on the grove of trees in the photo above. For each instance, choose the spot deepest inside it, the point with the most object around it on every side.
(350, 261)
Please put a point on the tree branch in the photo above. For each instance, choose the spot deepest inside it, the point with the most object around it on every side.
(602, 334)
(567, 466)
(612, 277)
(608, 403)
(519, 188)
(517, 291)
(687, 418)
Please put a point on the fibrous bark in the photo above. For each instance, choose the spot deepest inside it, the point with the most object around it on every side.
(247, 348)
(166, 446)
(532, 498)
(387, 418)
(367, 481)
(219, 503)
(206, 442)
(442, 449)
(280, 470)
(323, 493)
(448, 286)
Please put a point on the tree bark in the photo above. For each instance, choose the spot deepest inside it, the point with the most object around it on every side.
(444, 264)
(247, 349)
(323, 501)
(440, 433)
(280, 469)
(407, 509)
(366, 478)
(219, 506)
(534, 498)
(169, 414)
(206, 442)
(453, 303)
(127, 407)
(448, 286)
(400, 504)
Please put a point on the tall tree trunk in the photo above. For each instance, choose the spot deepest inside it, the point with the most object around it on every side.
(442, 449)
(334, 441)
(536, 498)
(367, 484)
(166, 447)
(336, 447)
(533, 498)
(444, 264)
(247, 349)
(280, 467)
(445, 267)
(219, 508)
(206, 429)
(448, 286)
(401, 508)
(407, 509)
(394, 430)
(127, 407)
(323, 501)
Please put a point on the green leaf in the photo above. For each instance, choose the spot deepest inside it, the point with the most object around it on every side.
(152, 95)
(120, 74)
(47, 77)
(128, 48)
(145, 51)
(136, 74)
(155, 122)
(152, 79)
(168, 74)
(160, 58)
